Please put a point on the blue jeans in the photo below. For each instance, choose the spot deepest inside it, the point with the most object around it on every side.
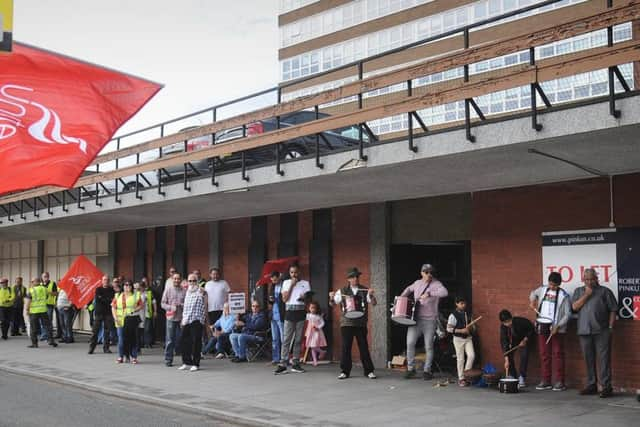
(120, 341)
(67, 323)
(172, 340)
(44, 336)
(277, 333)
(148, 331)
(239, 343)
(220, 343)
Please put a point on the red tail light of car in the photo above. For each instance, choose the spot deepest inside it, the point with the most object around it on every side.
(197, 144)
(255, 128)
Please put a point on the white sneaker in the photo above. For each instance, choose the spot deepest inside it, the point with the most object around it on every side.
(521, 382)
(342, 376)
(194, 368)
(220, 356)
(183, 367)
(371, 376)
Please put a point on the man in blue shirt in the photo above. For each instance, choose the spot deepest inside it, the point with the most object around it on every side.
(253, 323)
(277, 316)
(221, 329)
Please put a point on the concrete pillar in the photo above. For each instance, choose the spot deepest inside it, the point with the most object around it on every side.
(380, 238)
(215, 255)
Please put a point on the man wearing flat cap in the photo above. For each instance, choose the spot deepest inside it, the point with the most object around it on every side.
(426, 293)
(353, 323)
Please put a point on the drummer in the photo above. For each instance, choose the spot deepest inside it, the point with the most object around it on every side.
(351, 328)
(426, 293)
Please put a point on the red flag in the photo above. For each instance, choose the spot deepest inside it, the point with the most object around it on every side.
(81, 281)
(57, 113)
(280, 265)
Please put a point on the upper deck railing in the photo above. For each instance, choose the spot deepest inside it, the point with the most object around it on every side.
(453, 49)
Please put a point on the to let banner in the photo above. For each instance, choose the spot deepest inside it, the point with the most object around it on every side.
(57, 113)
(81, 281)
(613, 253)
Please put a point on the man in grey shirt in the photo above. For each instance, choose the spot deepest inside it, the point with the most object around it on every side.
(596, 307)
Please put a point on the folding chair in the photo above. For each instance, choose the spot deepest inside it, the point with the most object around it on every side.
(261, 348)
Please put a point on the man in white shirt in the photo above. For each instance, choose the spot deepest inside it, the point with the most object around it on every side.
(218, 290)
(294, 292)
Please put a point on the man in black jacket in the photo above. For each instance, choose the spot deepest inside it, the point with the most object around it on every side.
(102, 314)
(516, 332)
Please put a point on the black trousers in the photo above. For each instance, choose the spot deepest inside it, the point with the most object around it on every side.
(17, 321)
(192, 343)
(130, 336)
(34, 321)
(214, 316)
(360, 334)
(5, 319)
(98, 322)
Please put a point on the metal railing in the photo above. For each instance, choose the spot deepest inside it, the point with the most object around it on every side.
(142, 180)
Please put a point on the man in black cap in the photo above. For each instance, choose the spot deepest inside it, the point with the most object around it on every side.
(426, 292)
(354, 327)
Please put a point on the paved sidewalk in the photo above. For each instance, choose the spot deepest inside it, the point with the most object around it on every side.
(250, 394)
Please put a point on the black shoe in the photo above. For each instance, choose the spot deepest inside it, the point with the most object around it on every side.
(92, 349)
(4, 337)
(411, 373)
(606, 392)
(589, 390)
(239, 359)
(427, 376)
(53, 344)
(168, 364)
(281, 369)
(107, 351)
(297, 368)
(32, 346)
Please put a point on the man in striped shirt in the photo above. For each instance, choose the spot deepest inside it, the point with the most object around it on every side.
(193, 322)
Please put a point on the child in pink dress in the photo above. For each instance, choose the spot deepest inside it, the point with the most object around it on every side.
(315, 336)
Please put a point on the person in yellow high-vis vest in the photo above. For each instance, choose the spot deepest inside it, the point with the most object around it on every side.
(36, 306)
(7, 298)
(52, 299)
(126, 308)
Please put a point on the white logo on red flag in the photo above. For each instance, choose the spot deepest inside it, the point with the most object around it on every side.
(47, 128)
(81, 281)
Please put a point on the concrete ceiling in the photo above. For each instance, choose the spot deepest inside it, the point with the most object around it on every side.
(500, 159)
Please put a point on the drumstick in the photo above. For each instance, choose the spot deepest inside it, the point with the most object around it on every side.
(473, 321)
(510, 351)
(550, 335)
(540, 314)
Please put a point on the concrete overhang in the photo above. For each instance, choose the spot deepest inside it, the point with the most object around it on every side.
(446, 163)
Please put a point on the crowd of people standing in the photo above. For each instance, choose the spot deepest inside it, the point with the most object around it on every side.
(197, 322)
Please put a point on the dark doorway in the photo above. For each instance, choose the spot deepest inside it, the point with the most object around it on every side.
(452, 261)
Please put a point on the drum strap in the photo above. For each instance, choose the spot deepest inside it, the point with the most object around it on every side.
(555, 304)
(424, 291)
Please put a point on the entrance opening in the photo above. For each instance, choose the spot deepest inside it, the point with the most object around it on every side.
(452, 261)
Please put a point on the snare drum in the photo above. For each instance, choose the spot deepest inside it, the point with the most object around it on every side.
(350, 308)
(508, 385)
(403, 311)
